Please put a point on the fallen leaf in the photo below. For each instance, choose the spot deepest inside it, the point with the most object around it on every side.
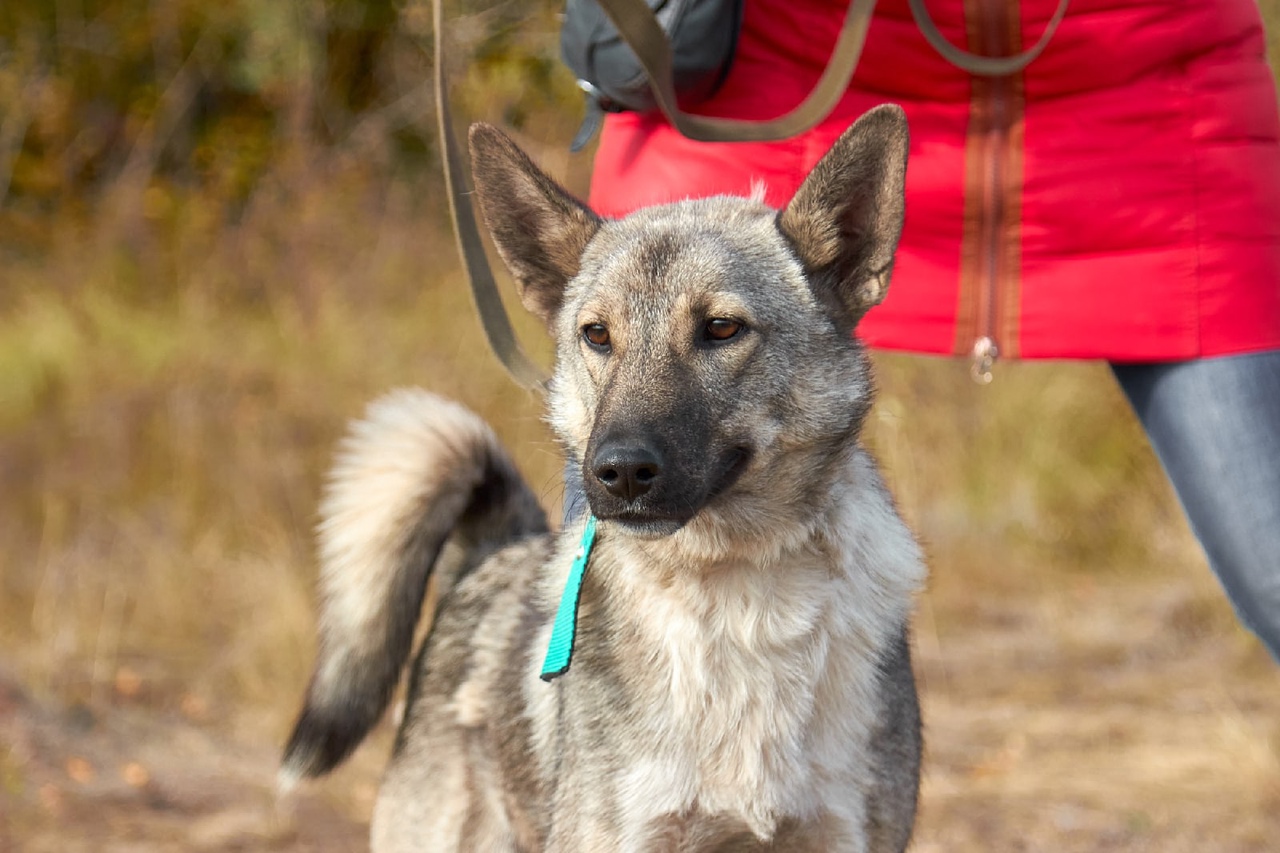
(135, 775)
(193, 707)
(80, 770)
(51, 798)
(128, 682)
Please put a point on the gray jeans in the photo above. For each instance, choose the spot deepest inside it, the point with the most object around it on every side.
(1215, 425)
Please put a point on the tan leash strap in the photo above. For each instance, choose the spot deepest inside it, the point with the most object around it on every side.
(983, 66)
(484, 290)
(640, 29)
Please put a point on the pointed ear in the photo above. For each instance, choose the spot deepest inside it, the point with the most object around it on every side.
(845, 220)
(540, 230)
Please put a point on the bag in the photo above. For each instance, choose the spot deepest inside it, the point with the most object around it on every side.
(703, 35)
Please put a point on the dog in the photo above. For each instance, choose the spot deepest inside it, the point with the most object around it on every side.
(740, 673)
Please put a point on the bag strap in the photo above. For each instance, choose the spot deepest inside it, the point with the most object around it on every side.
(639, 27)
(983, 66)
(484, 290)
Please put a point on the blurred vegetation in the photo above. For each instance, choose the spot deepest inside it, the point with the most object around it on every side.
(187, 98)
(221, 234)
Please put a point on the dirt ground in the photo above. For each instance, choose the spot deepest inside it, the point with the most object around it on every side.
(1094, 716)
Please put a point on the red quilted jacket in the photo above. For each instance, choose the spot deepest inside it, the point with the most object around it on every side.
(1118, 199)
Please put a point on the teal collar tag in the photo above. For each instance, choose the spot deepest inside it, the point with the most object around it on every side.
(560, 649)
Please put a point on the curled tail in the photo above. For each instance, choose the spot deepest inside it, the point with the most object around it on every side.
(415, 472)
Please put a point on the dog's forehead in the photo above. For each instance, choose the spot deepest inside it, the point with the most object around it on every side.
(681, 251)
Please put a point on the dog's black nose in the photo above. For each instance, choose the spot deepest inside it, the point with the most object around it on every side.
(626, 471)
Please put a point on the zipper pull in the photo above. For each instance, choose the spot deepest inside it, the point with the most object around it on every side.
(985, 353)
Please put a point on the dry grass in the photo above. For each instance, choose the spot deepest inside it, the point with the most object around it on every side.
(162, 445)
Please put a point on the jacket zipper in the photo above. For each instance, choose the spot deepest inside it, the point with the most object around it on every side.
(994, 26)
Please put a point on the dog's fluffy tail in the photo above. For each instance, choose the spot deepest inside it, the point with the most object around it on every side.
(414, 472)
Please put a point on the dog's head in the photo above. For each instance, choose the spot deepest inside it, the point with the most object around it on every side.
(707, 374)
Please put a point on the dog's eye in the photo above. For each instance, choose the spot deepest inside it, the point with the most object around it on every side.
(722, 329)
(596, 334)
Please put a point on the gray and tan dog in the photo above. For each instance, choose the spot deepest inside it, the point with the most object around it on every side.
(741, 676)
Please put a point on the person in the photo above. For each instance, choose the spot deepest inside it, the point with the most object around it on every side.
(1117, 199)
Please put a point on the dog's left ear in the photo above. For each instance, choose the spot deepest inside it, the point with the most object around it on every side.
(845, 220)
(539, 228)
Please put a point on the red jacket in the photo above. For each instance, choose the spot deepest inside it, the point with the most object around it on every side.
(1118, 199)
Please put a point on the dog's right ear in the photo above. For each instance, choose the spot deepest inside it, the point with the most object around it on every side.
(540, 230)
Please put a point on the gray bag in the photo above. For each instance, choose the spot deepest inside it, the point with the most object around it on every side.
(703, 35)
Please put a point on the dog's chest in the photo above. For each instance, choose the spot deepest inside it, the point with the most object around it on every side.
(734, 711)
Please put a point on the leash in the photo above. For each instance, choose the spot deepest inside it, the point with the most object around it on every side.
(484, 290)
(637, 24)
(639, 27)
(983, 66)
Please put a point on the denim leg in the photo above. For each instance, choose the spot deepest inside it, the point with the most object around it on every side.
(1215, 425)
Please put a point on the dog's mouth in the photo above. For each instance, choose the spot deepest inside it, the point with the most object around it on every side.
(658, 520)
(647, 527)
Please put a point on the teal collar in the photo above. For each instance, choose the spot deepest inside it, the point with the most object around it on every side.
(560, 649)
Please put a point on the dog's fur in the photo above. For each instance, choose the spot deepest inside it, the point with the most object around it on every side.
(742, 677)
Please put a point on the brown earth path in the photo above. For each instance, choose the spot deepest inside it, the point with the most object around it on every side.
(1099, 716)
